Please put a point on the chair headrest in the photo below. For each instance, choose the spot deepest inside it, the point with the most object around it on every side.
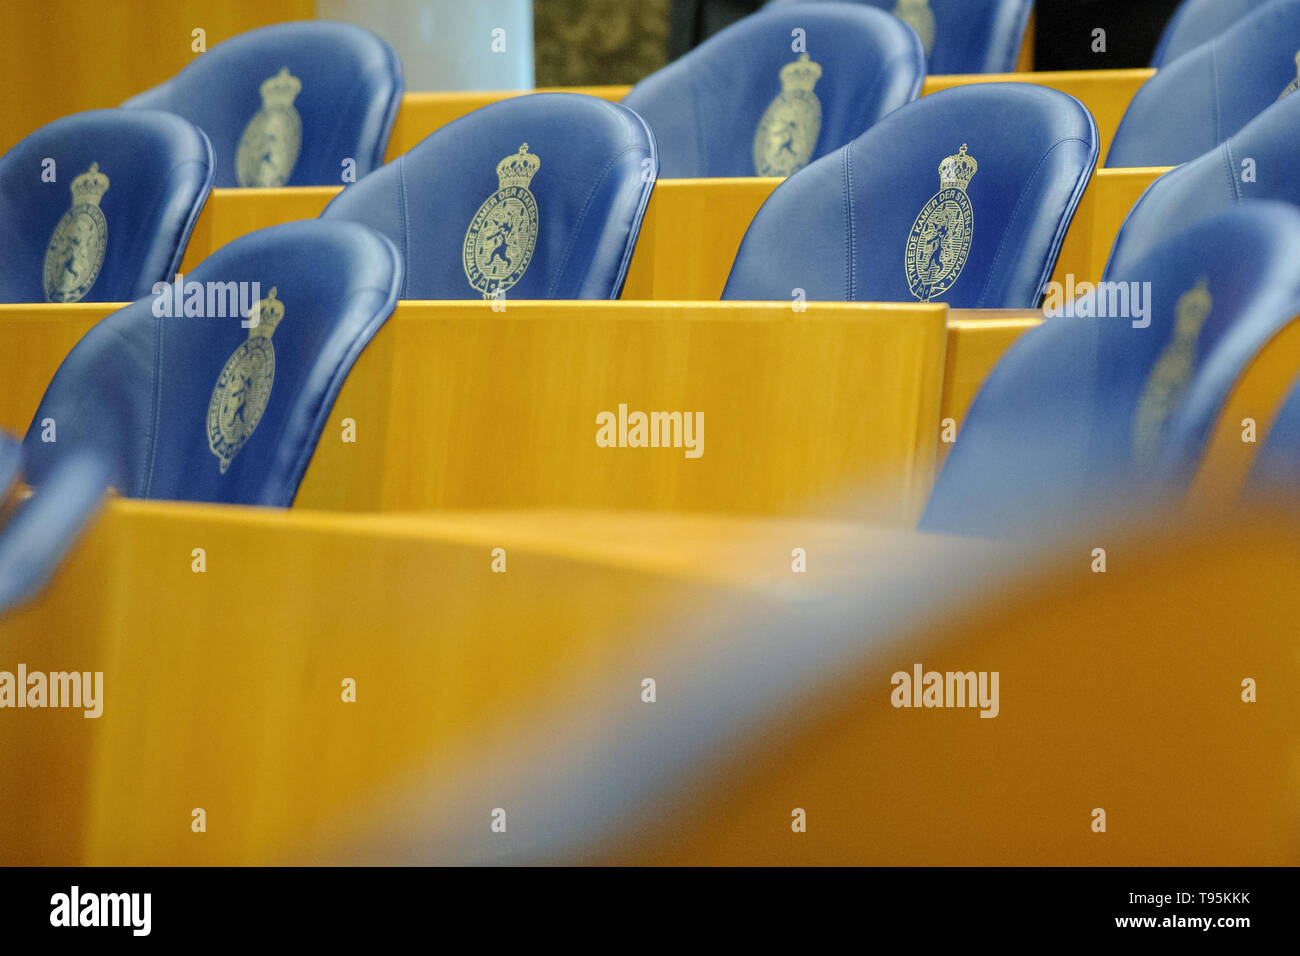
(289, 104)
(216, 387)
(98, 206)
(963, 36)
(1196, 22)
(538, 196)
(1206, 95)
(963, 196)
(1095, 409)
(778, 89)
(1256, 163)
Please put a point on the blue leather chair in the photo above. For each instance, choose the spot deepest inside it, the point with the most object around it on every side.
(1277, 466)
(1257, 163)
(11, 464)
(1196, 22)
(1086, 414)
(185, 402)
(1209, 93)
(963, 197)
(963, 36)
(41, 531)
(750, 101)
(288, 105)
(98, 206)
(535, 197)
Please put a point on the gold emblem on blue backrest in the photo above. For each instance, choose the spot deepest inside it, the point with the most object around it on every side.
(788, 131)
(918, 15)
(1167, 383)
(939, 242)
(76, 250)
(1294, 84)
(268, 150)
(500, 238)
(244, 386)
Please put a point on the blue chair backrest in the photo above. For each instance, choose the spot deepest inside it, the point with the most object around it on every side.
(218, 391)
(295, 104)
(963, 36)
(1277, 466)
(1196, 22)
(42, 530)
(779, 89)
(534, 197)
(1209, 93)
(11, 464)
(1257, 163)
(98, 206)
(1087, 413)
(963, 197)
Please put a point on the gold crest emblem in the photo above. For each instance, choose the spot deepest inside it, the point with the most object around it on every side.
(1294, 84)
(244, 386)
(788, 131)
(918, 15)
(1167, 383)
(77, 246)
(268, 150)
(500, 238)
(939, 243)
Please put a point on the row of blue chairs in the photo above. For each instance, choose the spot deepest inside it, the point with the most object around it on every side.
(1081, 416)
(549, 190)
(138, 178)
(1004, 164)
(844, 228)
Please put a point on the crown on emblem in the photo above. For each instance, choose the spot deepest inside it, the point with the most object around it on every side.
(957, 171)
(1193, 308)
(802, 74)
(90, 186)
(518, 169)
(269, 312)
(280, 89)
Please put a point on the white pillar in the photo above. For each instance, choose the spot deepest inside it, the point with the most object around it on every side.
(449, 44)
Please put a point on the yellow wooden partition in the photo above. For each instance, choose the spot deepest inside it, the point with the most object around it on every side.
(458, 406)
(223, 689)
(1102, 211)
(1160, 700)
(484, 383)
(231, 213)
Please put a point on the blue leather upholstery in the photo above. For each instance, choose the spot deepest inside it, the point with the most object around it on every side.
(1089, 413)
(126, 189)
(299, 98)
(878, 221)
(11, 464)
(1200, 99)
(1196, 22)
(539, 197)
(43, 528)
(1277, 466)
(745, 103)
(1257, 163)
(203, 409)
(963, 36)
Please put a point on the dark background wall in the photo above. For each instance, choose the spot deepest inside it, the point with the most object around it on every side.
(1063, 32)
